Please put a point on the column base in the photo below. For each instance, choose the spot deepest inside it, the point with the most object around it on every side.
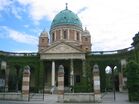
(98, 98)
(60, 98)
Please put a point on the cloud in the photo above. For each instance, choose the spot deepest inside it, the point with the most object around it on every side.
(81, 10)
(20, 37)
(105, 19)
(49, 8)
(16, 11)
(10, 6)
(4, 3)
(112, 23)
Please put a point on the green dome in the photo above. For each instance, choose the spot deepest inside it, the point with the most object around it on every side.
(66, 17)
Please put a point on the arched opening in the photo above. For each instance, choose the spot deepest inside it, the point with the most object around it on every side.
(77, 36)
(112, 78)
(116, 78)
(15, 79)
(66, 76)
(53, 37)
(108, 74)
(33, 87)
(65, 34)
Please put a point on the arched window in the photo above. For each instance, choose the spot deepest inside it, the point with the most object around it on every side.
(77, 36)
(42, 40)
(86, 39)
(53, 36)
(86, 49)
(65, 34)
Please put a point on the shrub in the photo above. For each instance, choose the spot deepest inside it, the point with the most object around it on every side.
(133, 81)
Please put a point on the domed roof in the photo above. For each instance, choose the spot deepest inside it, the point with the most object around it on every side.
(66, 17)
(44, 34)
(86, 32)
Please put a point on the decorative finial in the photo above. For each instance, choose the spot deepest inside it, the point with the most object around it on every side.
(85, 28)
(66, 6)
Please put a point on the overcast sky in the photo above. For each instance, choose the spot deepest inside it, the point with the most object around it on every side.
(112, 23)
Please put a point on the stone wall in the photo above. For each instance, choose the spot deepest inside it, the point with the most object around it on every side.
(79, 97)
(10, 96)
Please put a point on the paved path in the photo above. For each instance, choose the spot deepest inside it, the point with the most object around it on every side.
(121, 98)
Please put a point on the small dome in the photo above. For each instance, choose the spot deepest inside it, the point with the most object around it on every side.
(66, 17)
(86, 32)
(44, 34)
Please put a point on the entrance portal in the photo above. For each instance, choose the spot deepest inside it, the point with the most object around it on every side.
(66, 77)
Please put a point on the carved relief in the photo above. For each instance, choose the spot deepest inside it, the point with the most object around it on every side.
(62, 48)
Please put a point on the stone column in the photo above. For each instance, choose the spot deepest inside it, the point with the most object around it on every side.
(53, 74)
(74, 34)
(61, 84)
(55, 35)
(6, 69)
(120, 81)
(71, 73)
(6, 79)
(80, 36)
(83, 68)
(68, 33)
(96, 79)
(61, 37)
(25, 83)
(121, 77)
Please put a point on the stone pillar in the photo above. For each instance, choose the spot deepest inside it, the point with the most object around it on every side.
(71, 73)
(55, 35)
(121, 77)
(53, 74)
(74, 34)
(25, 83)
(68, 33)
(96, 79)
(61, 84)
(120, 82)
(83, 68)
(80, 36)
(61, 37)
(6, 79)
(6, 69)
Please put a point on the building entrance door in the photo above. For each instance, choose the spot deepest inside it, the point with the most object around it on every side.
(66, 77)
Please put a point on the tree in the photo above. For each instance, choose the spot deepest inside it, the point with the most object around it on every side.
(133, 81)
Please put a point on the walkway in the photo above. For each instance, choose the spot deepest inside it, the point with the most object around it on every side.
(121, 98)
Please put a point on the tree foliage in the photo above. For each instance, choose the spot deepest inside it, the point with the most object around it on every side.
(133, 81)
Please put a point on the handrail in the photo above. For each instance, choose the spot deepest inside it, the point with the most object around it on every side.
(92, 52)
(112, 52)
(18, 54)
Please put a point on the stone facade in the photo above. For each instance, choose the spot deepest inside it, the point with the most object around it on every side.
(67, 42)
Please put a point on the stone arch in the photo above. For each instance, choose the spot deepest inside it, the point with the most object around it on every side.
(15, 78)
(103, 62)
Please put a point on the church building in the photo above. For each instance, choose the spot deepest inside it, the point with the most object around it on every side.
(65, 44)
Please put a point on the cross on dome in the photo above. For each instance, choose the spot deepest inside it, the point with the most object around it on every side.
(66, 6)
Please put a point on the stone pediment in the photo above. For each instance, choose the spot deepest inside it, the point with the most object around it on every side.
(62, 48)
